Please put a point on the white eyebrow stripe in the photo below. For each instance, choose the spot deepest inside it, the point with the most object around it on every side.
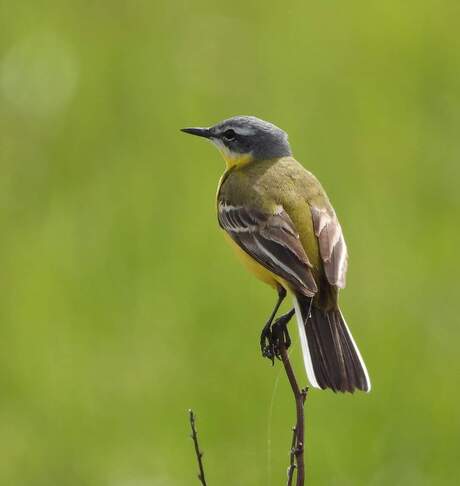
(244, 130)
(238, 130)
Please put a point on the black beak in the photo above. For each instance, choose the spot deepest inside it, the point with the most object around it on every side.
(199, 132)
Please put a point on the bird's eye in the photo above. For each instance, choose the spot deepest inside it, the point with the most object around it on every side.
(229, 135)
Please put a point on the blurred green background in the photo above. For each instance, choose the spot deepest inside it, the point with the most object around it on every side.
(121, 305)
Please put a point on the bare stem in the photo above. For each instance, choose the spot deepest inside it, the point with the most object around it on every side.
(300, 396)
(291, 468)
(199, 454)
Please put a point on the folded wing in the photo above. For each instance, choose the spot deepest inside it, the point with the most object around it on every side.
(272, 241)
(333, 249)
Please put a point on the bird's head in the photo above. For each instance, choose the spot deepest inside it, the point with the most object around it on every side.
(243, 139)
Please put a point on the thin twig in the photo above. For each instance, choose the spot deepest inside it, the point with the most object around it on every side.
(291, 468)
(300, 396)
(199, 454)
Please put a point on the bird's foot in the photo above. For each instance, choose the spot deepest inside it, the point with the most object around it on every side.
(280, 335)
(266, 343)
(273, 335)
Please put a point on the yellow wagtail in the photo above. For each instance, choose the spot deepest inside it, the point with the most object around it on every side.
(279, 218)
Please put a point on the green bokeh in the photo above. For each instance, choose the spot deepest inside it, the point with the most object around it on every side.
(120, 304)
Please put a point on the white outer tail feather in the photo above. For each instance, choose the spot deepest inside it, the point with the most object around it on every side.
(304, 345)
(306, 351)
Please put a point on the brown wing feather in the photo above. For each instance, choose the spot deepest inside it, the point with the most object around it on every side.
(332, 245)
(271, 240)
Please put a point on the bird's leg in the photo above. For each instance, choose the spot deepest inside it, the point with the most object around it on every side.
(280, 332)
(266, 341)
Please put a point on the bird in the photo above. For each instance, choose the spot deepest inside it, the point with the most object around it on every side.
(277, 216)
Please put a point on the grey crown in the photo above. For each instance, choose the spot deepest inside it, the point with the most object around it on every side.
(253, 135)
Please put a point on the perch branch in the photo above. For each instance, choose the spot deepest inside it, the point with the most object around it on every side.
(300, 397)
(199, 454)
(291, 468)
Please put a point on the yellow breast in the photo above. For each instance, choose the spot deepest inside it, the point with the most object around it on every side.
(255, 267)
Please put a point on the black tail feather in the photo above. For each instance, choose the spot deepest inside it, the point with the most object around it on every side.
(335, 358)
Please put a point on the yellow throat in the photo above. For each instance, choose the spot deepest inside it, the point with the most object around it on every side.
(233, 159)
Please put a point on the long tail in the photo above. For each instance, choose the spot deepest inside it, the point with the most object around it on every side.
(330, 354)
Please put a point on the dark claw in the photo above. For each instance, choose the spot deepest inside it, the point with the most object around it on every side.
(266, 343)
(269, 352)
(280, 333)
(272, 334)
